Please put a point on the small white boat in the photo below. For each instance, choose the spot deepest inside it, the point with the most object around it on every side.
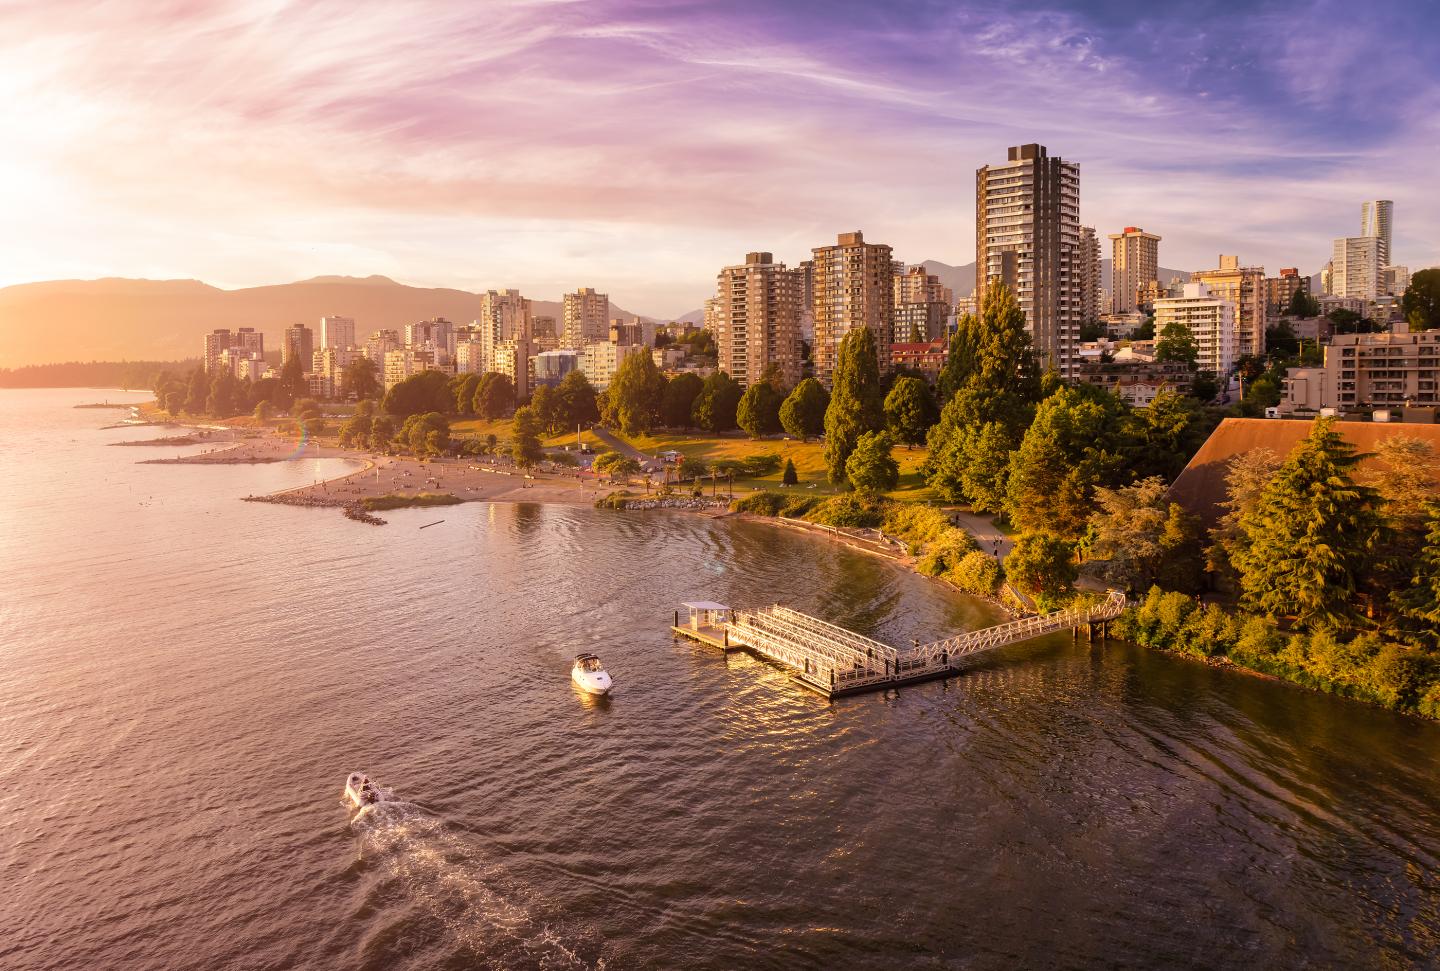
(590, 675)
(360, 791)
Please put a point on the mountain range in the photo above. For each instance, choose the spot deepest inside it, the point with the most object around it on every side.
(160, 320)
(128, 320)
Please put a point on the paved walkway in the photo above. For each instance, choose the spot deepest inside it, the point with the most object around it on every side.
(623, 447)
(991, 541)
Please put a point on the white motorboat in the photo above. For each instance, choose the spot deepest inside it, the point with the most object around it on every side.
(590, 675)
(360, 791)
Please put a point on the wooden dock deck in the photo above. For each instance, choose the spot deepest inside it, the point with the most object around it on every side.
(834, 661)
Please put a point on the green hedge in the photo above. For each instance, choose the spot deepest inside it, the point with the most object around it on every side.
(1356, 666)
(397, 501)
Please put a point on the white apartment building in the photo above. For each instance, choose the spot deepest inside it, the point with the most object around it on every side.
(337, 332)
(380, 343)
(504, 316)
(586, 318)
(1210, 320)
(1355, 267)
(600, 361)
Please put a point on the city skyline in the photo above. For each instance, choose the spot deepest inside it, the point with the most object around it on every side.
(636, 147)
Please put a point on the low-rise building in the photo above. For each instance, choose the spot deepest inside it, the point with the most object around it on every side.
(926, 357)
(1365, 371)
(1137, 381)
(408, 361)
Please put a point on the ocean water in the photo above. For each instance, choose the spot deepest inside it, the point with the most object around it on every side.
(186, 680)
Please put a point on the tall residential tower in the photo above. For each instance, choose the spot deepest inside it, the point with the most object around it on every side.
(1134, 262)
(757, 320)
(853, 287)
(1027, 235)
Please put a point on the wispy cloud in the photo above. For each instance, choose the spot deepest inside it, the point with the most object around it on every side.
(639, 146)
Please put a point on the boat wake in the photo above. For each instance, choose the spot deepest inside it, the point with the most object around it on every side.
(439, 871)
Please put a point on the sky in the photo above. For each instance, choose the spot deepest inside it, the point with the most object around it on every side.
(639, 146)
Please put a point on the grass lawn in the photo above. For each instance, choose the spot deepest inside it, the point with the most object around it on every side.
(501, 429)
(809, 459)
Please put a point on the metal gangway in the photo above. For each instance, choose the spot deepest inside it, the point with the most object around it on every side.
(834, 660)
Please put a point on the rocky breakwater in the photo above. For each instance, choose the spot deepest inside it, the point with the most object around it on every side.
(352, 508)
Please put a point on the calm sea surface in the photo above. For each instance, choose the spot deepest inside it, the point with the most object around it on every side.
(186, 679)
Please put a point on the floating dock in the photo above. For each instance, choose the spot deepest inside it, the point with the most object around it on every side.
(834, 661)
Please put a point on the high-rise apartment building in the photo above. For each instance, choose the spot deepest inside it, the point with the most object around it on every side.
(922, 304)
(1027, 235)
(511, 358)
(1210, 320)
(586, 317)
(337, 331)
(1134, 263)
(1356, 265)
(436, 334)
(216, 342)
(852, 288)
(1375, 220)
(1280, 290)
(1087, 264)
(1243, 287)
(757, 319)
(380, 343)
(299, 342)
(504, 316)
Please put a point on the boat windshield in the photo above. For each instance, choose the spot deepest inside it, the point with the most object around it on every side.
(591, 664)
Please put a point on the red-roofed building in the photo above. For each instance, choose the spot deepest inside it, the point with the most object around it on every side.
(927, 357)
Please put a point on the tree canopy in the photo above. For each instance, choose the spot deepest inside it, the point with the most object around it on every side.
(1421, 301)
(909, 410)
(803, 412)
(635, 395)
(870, 468)
(855, 400)
(419, 393)
(758, 412)
(1177, 344)
(716, 404)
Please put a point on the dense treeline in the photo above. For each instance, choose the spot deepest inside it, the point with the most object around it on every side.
(130, 375)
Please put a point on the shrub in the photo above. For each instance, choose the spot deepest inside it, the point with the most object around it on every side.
(846, 512)
(615, 500)
(397, 501)
(943, 555)
(760, 503)
(977, 573)
(797, 506)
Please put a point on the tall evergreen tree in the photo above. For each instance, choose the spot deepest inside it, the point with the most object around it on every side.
(197, 390)
(1309, 538)
(855, 401)
(1419, 603)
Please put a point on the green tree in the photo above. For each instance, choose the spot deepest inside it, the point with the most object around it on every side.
(1418, 603)
(716, 404)
(292, 377)
(226, 396)
(174, 402)
(525, 438)
(803, 412)
(1302, 305)
(758, 412)
(1204, 386)
(1136, 533)
(790, 476)
(382, 431)
(356, 431)
(635, 394)
(1421, 301)
(197, 390)
(418, 394)
(870, 467)
(427, 434)
(678, 404)
(910, 411)
(360, 379)
(578, 398)
(855, 400)
(1177, 344)
(1042, 565)
(1071, 447)
(615, 464)
(462, 390)
(494, 395)
(548, 407)
(1308, 539)
(991, 379)
(262, 411)
(1164, 434)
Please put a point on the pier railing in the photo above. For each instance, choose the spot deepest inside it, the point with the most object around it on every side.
(946, 651)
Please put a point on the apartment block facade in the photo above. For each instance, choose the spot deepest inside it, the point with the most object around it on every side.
(1280, 290)
(757, 311)
(853, 288)
(1027, 235)
(1363, 371)
(1134, 267)
(1377, 218)
(1244, 288)
(1092, 288)
(1356, 266)
(1210, 320)
(922, 305)
(337, 331)
(297, 341)
(585, 318)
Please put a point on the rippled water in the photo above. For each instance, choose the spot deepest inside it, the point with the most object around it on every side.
(187, 679)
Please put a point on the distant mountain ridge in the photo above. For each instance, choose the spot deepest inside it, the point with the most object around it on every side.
(116, 319)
